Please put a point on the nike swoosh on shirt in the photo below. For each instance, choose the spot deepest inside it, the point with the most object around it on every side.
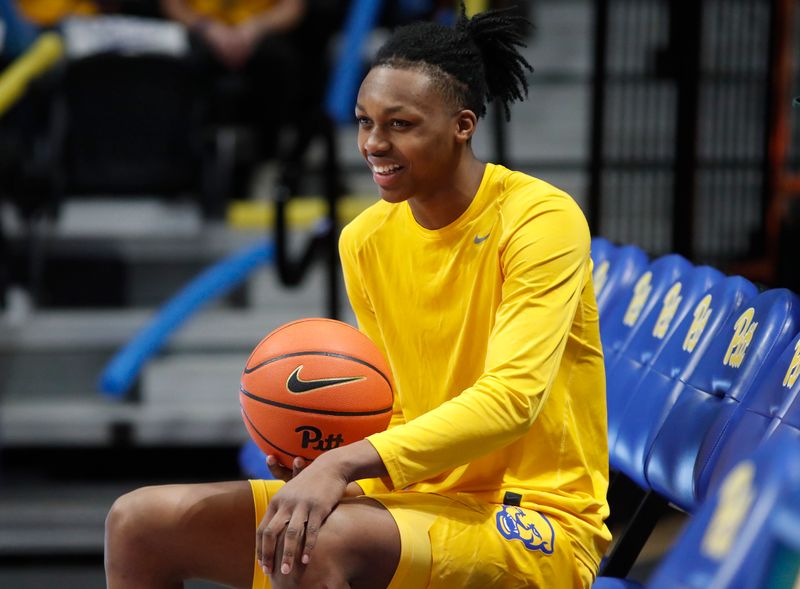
(479, 239)
(294, 384)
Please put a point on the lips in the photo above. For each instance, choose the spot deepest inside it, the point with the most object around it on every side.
(386, 175)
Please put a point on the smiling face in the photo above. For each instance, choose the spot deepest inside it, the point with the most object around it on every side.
(411, 136)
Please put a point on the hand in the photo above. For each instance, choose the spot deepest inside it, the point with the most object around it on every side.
(301, 506)
(224, 42)
(282, 473)
(248, 34)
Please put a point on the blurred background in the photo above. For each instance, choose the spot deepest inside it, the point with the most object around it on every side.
(173, 174)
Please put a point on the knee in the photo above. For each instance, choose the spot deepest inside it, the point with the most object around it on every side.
(343, 555)
(129, 524)
(328, 567)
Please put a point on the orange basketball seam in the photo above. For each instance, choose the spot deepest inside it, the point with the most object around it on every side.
(263, 437)
(317, 411)
(329, 354)
(285, 326)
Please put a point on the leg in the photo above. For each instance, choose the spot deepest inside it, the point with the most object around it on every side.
(158, 536)
(358, 546)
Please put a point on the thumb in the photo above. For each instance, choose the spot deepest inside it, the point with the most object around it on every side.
(298, 465)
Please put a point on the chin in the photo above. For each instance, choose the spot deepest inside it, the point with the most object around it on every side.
(392, 197)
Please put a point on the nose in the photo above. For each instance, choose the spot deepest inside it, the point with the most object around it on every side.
(375, 142)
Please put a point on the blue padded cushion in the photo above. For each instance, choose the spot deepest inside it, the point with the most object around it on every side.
(613, 583)
(718, 545)
(722, 380)
(601, 250)
(788, 422)
(772, 395)
(656, 393)
(634, 362)
(618, 325)
(625, 265)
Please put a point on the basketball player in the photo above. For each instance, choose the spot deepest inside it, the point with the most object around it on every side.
(475, 281)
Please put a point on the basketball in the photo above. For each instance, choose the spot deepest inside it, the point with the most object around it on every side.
(314, 385)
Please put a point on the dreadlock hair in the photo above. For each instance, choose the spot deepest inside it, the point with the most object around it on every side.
(475, 61)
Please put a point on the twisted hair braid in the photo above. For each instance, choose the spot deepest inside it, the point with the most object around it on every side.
(476, 61)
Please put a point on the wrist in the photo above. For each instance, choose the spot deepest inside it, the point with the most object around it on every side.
(358, 460)
(253, 30)
(200, 25)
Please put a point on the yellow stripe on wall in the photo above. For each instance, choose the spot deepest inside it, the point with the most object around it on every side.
(475, 6)
(301, 213)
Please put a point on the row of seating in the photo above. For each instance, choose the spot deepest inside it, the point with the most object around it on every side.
(702, 370)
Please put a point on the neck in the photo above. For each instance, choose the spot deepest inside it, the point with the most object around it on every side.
(444, 205)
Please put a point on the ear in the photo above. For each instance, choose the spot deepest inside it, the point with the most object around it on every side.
(466, 123)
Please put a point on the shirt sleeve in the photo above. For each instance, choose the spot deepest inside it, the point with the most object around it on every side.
(544, 258)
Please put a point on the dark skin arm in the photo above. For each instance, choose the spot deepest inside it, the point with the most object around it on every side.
(282, 473)
(302, 505)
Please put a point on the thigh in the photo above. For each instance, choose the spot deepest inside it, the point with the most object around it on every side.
(358, 546)
(502, 546)
(184, 531)
(472, 544)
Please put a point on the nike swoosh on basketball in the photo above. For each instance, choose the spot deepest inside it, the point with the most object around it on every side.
(294, 384)
(479, 239)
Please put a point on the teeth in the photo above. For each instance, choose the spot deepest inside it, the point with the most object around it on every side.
(385, 169)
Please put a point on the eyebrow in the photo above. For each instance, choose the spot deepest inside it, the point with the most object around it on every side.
(388, 110)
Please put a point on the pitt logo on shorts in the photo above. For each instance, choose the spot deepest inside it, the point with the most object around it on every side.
(529, 527)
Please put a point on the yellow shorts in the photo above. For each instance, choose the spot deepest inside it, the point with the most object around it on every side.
(458, 542)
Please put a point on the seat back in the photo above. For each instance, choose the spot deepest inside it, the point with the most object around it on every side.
(655, 393)
(788, 420)
(636, 302)
(717, 547)
(774, 561)
(634, 361)
(602, 251)
(749, 425)
(616, 274)
(744, 347)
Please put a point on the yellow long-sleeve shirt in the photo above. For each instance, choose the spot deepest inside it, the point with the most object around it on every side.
(490, 327)
(50, 12)
(231, 12)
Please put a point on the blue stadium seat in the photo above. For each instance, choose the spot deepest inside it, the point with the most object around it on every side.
(601, 249)
(752, 421)
(614, 583)
(635, 360)
(636, 302)
(789, 420)
(616, 274)
(602, 252)
(774, 560)
(655, 394)
(745, 346)
(724, 545)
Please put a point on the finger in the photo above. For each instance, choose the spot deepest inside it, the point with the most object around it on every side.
(312, 532)
(267, 539)
(298, 465)
(278, 471)
(259, 543)
(293, 539)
